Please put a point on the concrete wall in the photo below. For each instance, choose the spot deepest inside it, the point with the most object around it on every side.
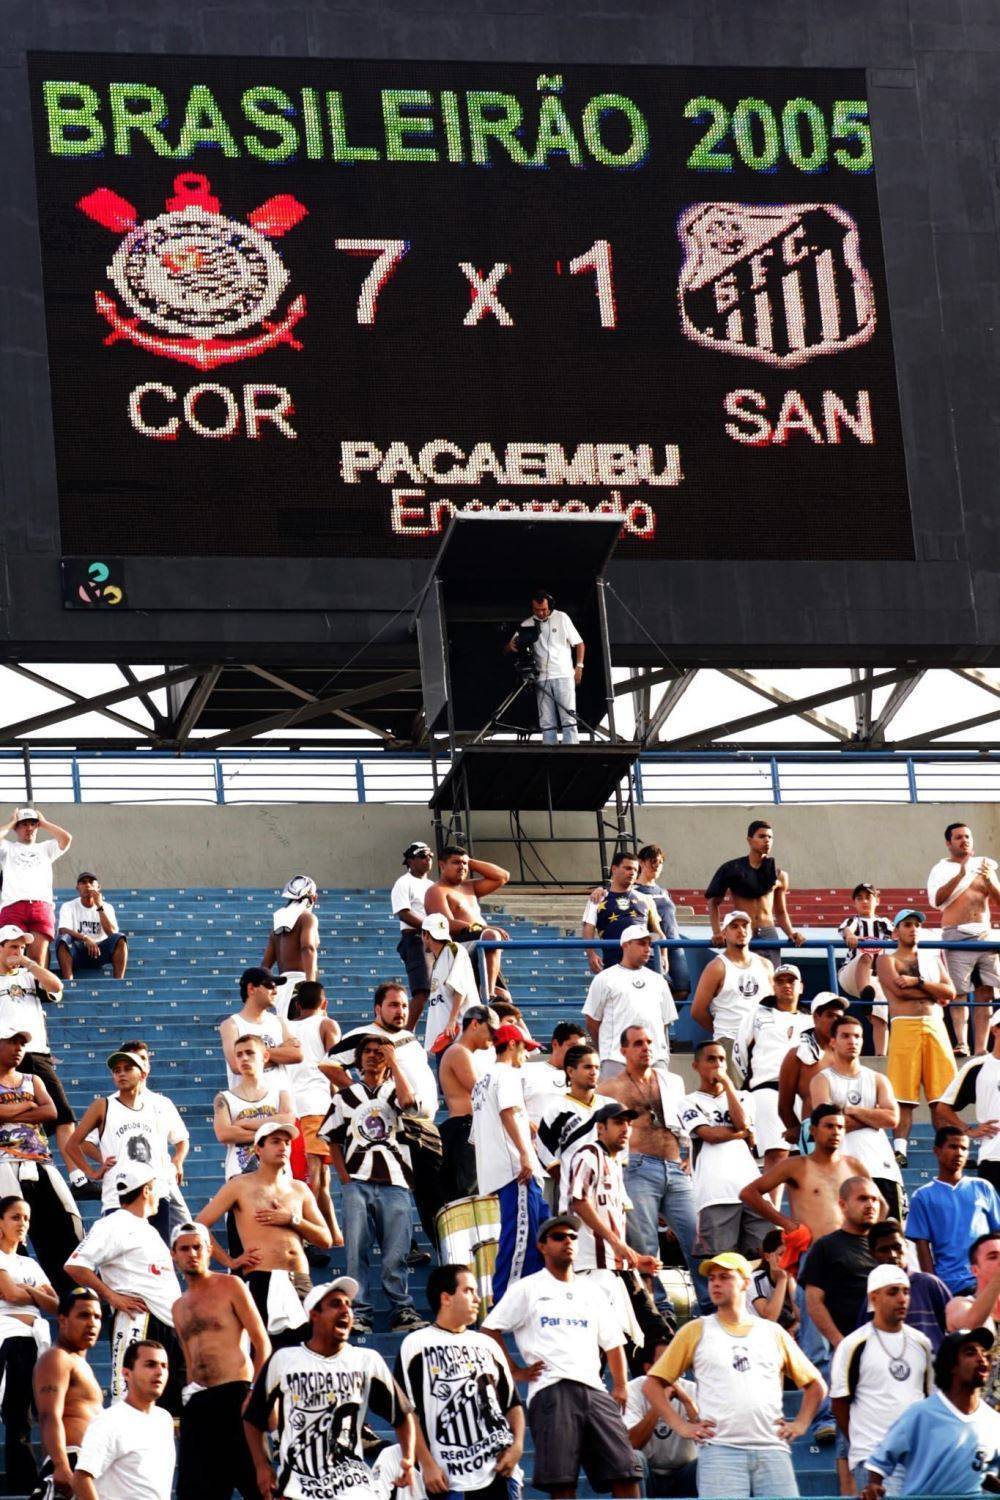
(360, 846)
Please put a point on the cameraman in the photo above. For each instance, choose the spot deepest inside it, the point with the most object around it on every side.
(557, 652)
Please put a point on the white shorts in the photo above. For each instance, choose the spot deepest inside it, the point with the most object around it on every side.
(769, 1132)
(283, 993)
(847, 978)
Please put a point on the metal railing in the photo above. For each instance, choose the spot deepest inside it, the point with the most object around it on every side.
(663, 777)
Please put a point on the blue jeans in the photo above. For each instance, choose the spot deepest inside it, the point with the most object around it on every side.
(376, 1211)
(662, 1187)
(556, 700)
(734, 1472)
(814, 1346)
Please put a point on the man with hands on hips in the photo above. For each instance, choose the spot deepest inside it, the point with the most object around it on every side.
(557, 653)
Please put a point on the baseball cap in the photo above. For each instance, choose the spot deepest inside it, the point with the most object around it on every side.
(341, 1284)
(729, 1260)
(635, 934)
(85, 875)
(8, 1033)
(883, 1276)
(947, 1354)
(436, 924)
(788, 969)
(825, 998)
(132, 1057)
(12, 933)
(735, 916)
(481, 1013)
(189, 1227)
(863, 888)
(557, 1221)
(270, 1127)
(26, 815)
(74, 1294)
(613, 1110)
(417, 847)
(257, 975)
(134, 1174)
(511, 1033)
(908, 911)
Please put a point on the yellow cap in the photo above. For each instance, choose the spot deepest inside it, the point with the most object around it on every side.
(727, 1261)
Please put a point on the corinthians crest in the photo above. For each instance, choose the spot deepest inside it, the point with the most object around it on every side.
(197, 286)
(778, 282)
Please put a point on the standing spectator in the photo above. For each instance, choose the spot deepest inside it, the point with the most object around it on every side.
(739, 1365)
(126, 1263)
(879, 1370)
(545, 1078)
(469, 1417)
(128, 1449)
(239, 1113)
(768, 1033)
(978, 1084)
(647, 884)
(615, 908)
(917, 986)
(719, 1120)
(461, 884)
(732, 985)
(773, 1290)
(948, 1214)
(316, 1033)
(24, 986)
(257, 991)
(88, 932)
(557, 652)
(372, 1160)
(294, 941)
(856, 976)
(800, 1066)
(506, 1163)
(462, 1066)
(25, 1296)
(869, 1106)
(390, 1010)
(26, 1167)
(962, 886)
(26, 867)
(407, 901)
(629, 994)
(669, 1461)
(134, 1124)
(561, 1329)
(67, 1397)
(657, 1179)
(569, 1113)
(324, 1389)
(948, 1443)
(453, 985)
(757, 885)
(981, 1307)
(929, 1297)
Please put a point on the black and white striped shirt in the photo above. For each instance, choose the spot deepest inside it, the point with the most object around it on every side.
(364, 1123)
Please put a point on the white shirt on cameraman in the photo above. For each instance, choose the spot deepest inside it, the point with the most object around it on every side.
(553, 651)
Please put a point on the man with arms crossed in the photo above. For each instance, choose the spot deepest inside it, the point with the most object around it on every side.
(214, 1320)
(457, 896)
(128, 1449)
(759, 887)
(67, 1396)
(294, 941)
(962, 887)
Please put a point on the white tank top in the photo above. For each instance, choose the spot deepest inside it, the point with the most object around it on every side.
(871, 1146)
(243, 1158)
(740, 1382)
(133, 1135)
(269, 1027)
(743, 986)
(310, 1090)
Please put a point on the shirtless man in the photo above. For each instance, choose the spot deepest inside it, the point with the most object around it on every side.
(962, 886)
(211, 1319)
(800, 1066)
(917, 987)
(258, 989)
(759, 887)
(457, 895)
(274, 1214)
(462, 1065)
(67, 1396)
(813, 1181)
(294, 941)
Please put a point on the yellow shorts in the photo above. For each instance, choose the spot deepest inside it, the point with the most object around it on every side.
(919, 1053)
(313, 1144)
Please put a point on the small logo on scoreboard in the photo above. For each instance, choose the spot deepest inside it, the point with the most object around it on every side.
(197, 286)
(780, 282)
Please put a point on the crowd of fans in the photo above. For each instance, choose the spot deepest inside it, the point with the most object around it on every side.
(665, 1253)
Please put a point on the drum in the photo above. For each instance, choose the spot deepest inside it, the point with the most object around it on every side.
(468, 1231)
(679, 1288)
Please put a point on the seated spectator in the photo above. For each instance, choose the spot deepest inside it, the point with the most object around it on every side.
(675, 968)
(25, 1297)
(88, 932)
(26, 868)
(618, 906)
(310, 1089)
(767, 1034)
(629, 994)
(257, 991)
(24, 987)
(869, 1105)
(372, 1159)
(773, 1290)
(669, 1461)
(545, 1078)
(856, 975)
(407, 902)
(566, 1114)
(946, 1215)
(453, 985)
(719, 1120)
(978, 1085)
(980, 1307)
(732, 985)
(294, 941)
(929, 1297)
(461, 885)
(462, 1066)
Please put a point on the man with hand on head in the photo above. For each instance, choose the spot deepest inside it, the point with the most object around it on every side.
(456, 894)
(127, 1452)
(88, 932)
(407, 901)
(67, 1396)
(26, 867)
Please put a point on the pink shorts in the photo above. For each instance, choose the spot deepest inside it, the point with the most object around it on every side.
(31, 916)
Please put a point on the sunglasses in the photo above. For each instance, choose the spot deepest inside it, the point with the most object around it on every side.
(562, 1234)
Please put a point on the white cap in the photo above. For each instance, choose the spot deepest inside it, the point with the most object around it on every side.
(26, 815)
(341, 1284)
(883, 1276)
(12, 933)
(788, 969)
(825, 997)
(189, 1227)
(635, 934)
(271, 1127)
(8, 1033)
(994, 1020)
(134, 1174)
(735, 916)
(436, 924)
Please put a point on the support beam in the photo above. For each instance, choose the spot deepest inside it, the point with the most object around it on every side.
(931, 738)
(297, 692)
(194, 705)
(892, 705)
(79, 702)
(307, 711)
(160, 723)
(776, 696)
(646, 679)
(979, 679)
(673, 695)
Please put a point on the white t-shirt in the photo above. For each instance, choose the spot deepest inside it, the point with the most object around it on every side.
(978, 1083)
(766, 1037)
(86, 919)
(497, 1163)
(562, 1324)
(130, 1453)
(893, 1372)
(408, 895)
(620, 997)
(553, 651)
(542, 1084)
(23, 1271)
(721, 1170)
(129, 1256)
(27, 870)
(21, 1006)
(666, 1449)
(451, 975)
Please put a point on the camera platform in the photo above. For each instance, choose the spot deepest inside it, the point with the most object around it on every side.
(535, 778)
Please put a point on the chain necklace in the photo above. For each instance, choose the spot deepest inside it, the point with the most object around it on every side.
(899, 1368)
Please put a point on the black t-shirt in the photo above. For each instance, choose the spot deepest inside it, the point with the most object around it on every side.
(839, 1264)
(740, 878)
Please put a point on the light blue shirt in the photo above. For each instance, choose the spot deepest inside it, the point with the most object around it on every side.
(943, 1451)
(950, 1218)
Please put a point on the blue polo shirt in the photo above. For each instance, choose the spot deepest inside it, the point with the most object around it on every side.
(943, 1451)
(950, 1218)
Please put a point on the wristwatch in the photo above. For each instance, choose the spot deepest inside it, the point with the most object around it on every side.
(295, 1221)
